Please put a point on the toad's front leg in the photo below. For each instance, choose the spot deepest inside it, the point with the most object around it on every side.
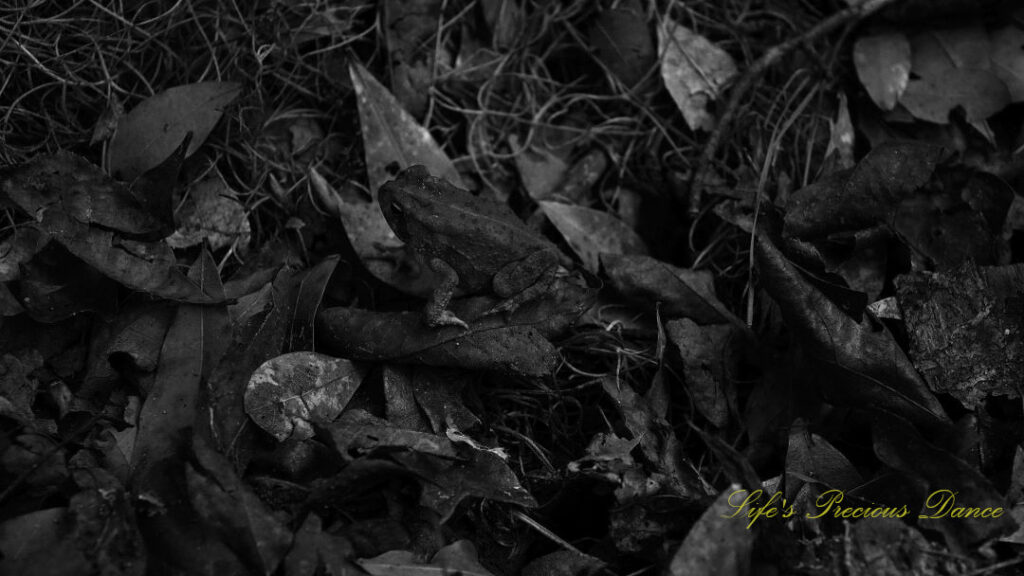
(437, 311)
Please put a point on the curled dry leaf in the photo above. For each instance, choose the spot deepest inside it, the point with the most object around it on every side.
(153, 129)
(883, 66)
(289, 393)
(405, 338)
(694, 70)
(592, 233)
(211, 213)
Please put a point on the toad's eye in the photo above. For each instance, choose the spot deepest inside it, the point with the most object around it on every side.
(396, 208)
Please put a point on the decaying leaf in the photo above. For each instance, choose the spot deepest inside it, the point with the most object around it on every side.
(540, 169)
(623, 42)
(865, 196)
(710, 363)
(1008, 59)
(695, 71)
(358, 432)
(40, 543)
(902, 446)
(405, 337)
(718, 543)
(70, 183)
(151, 131)
(866, 367)
(883, 66)
(213, 214)
(245, 523)
(193, 345)
(484, 475)
(887, 546)
(812, 457)
(459, 557)
(592, 233)
(950, 69)
(289, 393)
(678, 292)
(390, 134)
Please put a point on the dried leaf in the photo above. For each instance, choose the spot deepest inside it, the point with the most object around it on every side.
(902, 446)
(866, 367)
(403, 337)
(812, 457)
(245, 523)
(17, 391)
(676, 291)
(950, 70)
(193, 345)
(1008, 59)
(151, 131)
(68, 183)
(213, 214)
(540, 169)
(146, 266)
(40, 543)
(287, 394)
(592, 233)
(55, 285)
(259, 339)
(717, 544)
(448, 482)
(887, 546)
(390, 134)
(979, 92)
(358, 432)
(623, 42)
(459, 557)
(694, 70)
(19, 248)
(710, 363)
(867, 195)
(883, 66)
(307, 301)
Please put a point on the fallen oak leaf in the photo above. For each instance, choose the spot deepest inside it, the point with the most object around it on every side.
(404, 337)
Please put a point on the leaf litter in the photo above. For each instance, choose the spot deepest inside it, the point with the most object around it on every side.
(215, 358)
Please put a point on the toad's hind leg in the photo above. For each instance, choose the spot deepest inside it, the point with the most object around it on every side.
(524, 280)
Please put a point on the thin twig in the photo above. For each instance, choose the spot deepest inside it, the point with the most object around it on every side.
(703, 168)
